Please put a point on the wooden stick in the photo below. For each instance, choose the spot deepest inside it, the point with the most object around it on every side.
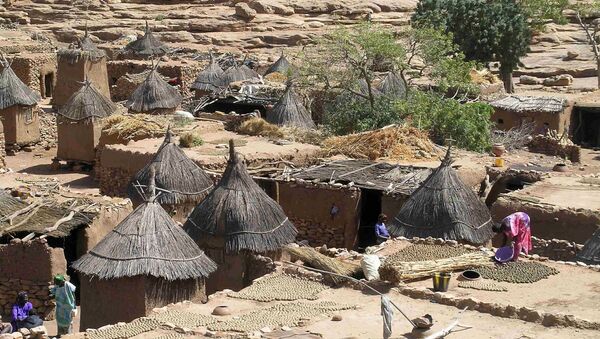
(449, 329)
(59, 222)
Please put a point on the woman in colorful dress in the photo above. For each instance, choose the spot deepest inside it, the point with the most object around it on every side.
(66, 309)
(517, 233)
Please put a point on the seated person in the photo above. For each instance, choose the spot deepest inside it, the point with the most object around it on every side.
(380, 230)
(20, 311)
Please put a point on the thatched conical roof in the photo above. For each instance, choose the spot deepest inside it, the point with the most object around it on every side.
(393, 86)
(174, 172)
(13, 91)
(289, 111)
(146, 243)
(238, 210)
(147, 45)
(444, 207)
(237, 73)
(282, 65)
(154, 93)
(87, 103)
(590, 254)
(209, 78)
(82, 49)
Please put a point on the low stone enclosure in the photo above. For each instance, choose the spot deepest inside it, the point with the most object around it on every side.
(553, 146)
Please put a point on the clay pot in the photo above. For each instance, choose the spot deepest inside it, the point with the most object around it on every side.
(221, 310)
(560, 168)
(498, 149)
(470, 275)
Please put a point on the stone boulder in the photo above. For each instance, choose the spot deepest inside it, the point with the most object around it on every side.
(529, 80)
(244, 11)
(559, 80)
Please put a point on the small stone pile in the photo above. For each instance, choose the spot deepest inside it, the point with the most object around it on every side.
(483, 285)
(517, 272)
(33, 333)
(555, 249)
(424, 252)
(281, 287)
(289, 314)
(48, 130)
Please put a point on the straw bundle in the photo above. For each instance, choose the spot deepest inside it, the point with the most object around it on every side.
(405, 271)
(127, 127)
(313, 258)
(258, 126)
(392, 142)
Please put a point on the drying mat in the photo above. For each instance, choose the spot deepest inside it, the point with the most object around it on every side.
(183, 319)
(483, 285)
(281, 287)
(287, 314)
(171, 336)
(424, 252)
(518, 272)
(138, 326)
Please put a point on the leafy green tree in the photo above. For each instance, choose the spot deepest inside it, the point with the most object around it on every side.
(542, 11)
(485, 30)
(584, 13)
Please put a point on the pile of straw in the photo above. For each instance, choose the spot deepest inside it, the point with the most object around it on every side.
(125, 127)
(392, 142)
(396, 272)
(259, 127)
(313, 258)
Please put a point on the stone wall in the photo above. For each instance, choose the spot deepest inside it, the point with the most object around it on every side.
(32, 67)
(29, 266)
(555, 249)
(551, 146)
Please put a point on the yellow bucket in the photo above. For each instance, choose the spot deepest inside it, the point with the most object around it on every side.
(498, 162)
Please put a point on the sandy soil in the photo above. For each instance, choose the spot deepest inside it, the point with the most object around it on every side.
(366, 322)
(568, 192)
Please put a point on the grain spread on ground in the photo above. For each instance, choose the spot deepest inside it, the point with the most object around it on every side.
(170, 336)
(518, 272)
(281, 287)
(425, 252)
(183, 319)
(483, 285)
(138, 326)
(286, 314)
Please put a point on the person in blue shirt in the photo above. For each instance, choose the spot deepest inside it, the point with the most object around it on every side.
(380, 230)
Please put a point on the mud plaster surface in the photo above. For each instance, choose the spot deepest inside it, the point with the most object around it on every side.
(566, 192)
(574, 290)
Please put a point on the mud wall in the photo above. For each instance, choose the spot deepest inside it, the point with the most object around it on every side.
(29, 266)
(106, 220)
(550, 146)
(506, 120)
(21, 125)
(391, 204)
(70, 75)
(550, 222)
(309, 208)
(78, 140)
(31, 68)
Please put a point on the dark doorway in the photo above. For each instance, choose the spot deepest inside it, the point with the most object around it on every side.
(270, 187)
(48, 85)
(69, 246)
(239, 107)
(370, 208)
(586, 126)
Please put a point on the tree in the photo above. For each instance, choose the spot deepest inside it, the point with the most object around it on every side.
(591, 28)
(541, 11)
(485, 30)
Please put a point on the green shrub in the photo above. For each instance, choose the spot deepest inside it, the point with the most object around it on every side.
(190, 139)
(351, 114)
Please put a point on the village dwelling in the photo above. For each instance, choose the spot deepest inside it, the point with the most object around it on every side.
(236, 221)
(146, 46)
(444, 207)
(585, 121)
(147, 261)
(80, 124)
(154, 96)
(83, 60)
(546, 113)
(208, 80)
(590, 254)
(237, 73)
(289, 111)
(36, 70)
(183, 184)
(281, 66)
(392, 86)
(18, 109)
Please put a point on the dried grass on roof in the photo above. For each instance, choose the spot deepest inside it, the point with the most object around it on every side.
(154, 93)
(209, 78)
(239, 211)
(147, 45)
(393, 143)
(282, 65)
(529, 104)
(392, 86)
(87, 103)
(125, 127)
(290, 111)
(84, 49)
(146, 243)
(237, 73)
(591, 250)
(13, 91)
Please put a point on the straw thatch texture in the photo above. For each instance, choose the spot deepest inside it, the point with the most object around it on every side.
(210, 78)
(175, 172)
(392, 86)
(37, 217)
(147, 45)
(13, 91)
(528, 104)
(237, 73)
(87, 103)
(444, 207)
(590, 253)
(238, 210)
(289, 111)
(282, 65)
(154, 93)
(147, 242)
(83, 49)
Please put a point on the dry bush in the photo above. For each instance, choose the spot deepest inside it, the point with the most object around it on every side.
(190, 139)
(259, 127)
(305, 136)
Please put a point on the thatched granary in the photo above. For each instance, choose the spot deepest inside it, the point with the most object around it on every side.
(237, 73)
(208, 80)
(289, 111)
(237, 219)
(590, 254)
(282, 65)
(444, 207)
(154, 96)
(80, 123)
(146, 46)
(182, 182)
(392, 86)
(147, 261)
(18, 109)
(83, 60)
